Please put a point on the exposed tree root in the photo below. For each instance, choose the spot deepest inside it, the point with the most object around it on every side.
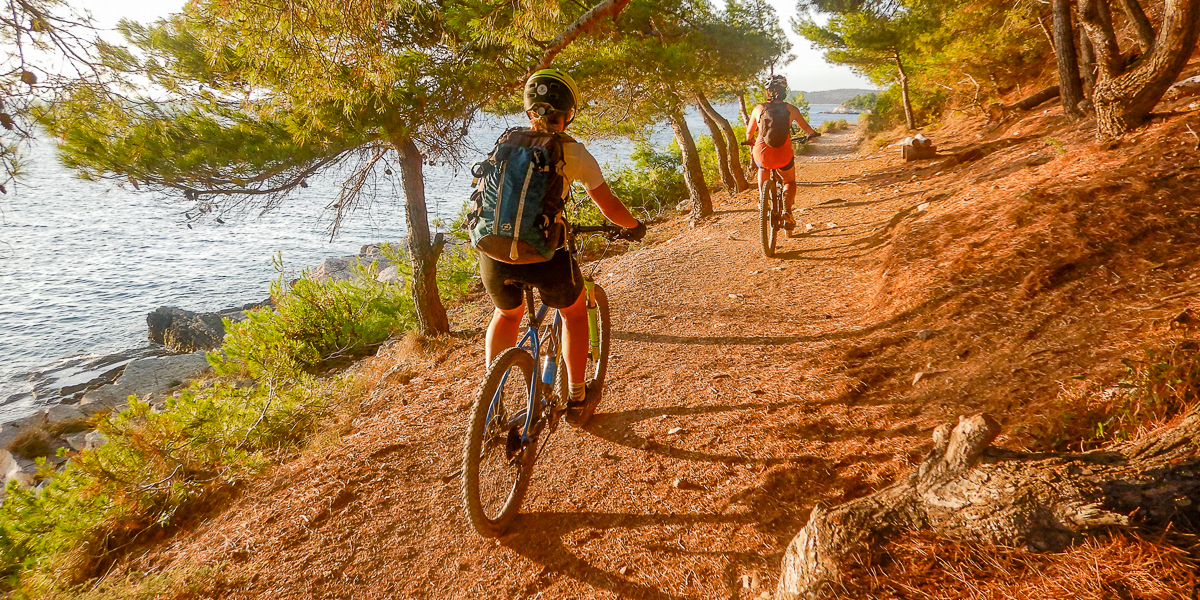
(968, 491)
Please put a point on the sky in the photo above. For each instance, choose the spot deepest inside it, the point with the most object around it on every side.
(808, 72)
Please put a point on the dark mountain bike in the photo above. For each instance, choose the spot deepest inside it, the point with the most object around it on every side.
(771, 207)
(523, 395)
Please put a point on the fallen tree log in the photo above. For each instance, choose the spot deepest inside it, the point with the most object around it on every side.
(998, 111)
(966, 490)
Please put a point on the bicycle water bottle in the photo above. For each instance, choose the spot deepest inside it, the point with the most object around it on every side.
(548, 368)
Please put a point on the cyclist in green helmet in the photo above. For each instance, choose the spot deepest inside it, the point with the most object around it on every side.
(551, 99)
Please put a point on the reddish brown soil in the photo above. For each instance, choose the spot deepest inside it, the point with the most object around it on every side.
(792, 380)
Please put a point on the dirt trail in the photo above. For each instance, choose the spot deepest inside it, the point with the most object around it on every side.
(736, 354)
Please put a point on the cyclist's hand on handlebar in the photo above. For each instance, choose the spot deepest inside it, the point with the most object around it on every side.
(634, 234)
(815, 134)
(747, 143)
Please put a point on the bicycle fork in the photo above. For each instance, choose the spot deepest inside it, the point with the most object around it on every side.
(593, 313)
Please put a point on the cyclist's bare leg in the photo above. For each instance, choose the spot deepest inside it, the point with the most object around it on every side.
(789, 188)
(763, 176)
(575, 339)
(503, 330)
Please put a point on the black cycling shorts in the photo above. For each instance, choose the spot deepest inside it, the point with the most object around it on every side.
(791, 163)
(558, 280)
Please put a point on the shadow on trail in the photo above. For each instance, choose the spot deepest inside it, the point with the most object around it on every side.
(881, 233)
(539, 537)
(617, 428)
(660, 338)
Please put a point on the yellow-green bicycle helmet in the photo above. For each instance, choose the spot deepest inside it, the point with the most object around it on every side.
(551, 90)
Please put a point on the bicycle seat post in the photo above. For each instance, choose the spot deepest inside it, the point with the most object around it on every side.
(530, 307)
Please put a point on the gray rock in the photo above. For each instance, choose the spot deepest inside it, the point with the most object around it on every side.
(390, 274)
(8, 462)
(37, 419)
(78, 441)
(925, 334)
(63, 415)
(94, 439)
(183, 330)
(23, 471)
(8, 433)
(153, 375)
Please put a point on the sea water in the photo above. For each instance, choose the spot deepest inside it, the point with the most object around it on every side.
(83, 262)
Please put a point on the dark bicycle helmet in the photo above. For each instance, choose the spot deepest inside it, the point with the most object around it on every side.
(551, 90)
(777, 87)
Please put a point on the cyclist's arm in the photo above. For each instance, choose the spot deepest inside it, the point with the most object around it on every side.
(581, 166)
(752, 127)
(798, 119)
(612, 207)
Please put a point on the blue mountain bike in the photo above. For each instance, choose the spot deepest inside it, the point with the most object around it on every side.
(523, 395)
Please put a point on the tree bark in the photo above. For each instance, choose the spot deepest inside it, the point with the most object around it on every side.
(902, 79)
(693, 177)
(1140, 23)
(576, 29)
(722, 148)
(965, 490)
(743, 112)
(1087, 68)
(1069, 84)
(424, 253)
(1034, 100)
(731, 141)
(1124, 96)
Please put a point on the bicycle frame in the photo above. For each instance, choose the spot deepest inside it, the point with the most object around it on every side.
(532, 342)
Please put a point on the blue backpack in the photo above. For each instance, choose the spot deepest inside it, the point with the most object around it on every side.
(519, 194)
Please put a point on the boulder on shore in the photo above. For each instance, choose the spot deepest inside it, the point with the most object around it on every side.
(182, 330)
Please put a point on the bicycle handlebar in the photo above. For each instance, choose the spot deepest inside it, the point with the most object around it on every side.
(611, 232)
(608, 231)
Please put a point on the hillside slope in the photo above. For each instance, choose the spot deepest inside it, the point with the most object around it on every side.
(1013, 277)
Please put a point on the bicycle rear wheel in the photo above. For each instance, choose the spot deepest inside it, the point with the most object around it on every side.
(597, 364)
(496, 466)
(767, 217)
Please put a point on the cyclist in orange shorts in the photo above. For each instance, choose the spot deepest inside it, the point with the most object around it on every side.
(772, 147)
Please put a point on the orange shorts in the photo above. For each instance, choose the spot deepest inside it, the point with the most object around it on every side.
(767, 157)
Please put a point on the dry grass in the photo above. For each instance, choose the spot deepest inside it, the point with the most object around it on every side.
(1118, 566)
(32, 443)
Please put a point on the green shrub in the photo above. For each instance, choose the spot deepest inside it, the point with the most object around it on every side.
(889, 111)
(653, 183)
(834, 126)
(315, 323)
(212, 435)
(153, 466)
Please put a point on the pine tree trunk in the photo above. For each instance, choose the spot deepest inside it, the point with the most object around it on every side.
(743, 112)
(965, 490)
(731, 141)
(902, 78)
(431, 315)
(722, 149)
(1087, 69)
(1124, 97)
(1141, 24)
(1069, 84)
(693, 177)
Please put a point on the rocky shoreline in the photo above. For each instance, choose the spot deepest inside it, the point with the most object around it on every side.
(181, 340)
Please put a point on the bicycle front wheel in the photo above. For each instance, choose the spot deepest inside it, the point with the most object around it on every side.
(497, 463)
(766, 217)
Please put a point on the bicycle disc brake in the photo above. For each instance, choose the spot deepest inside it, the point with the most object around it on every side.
(513, 445)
